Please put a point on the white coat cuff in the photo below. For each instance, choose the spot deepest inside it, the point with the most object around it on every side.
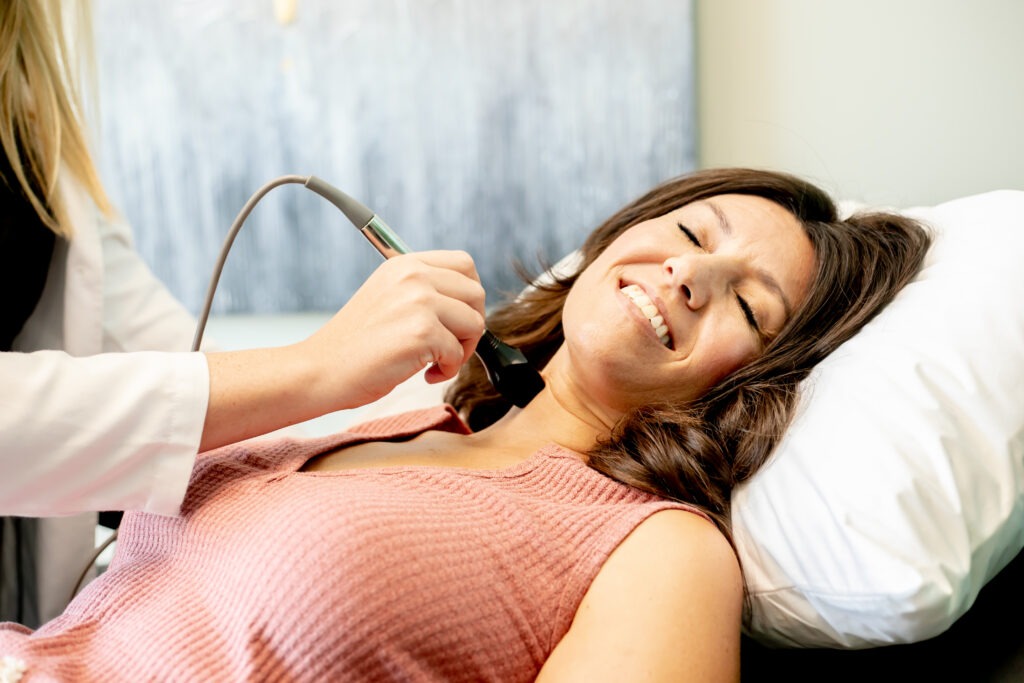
(189, 388)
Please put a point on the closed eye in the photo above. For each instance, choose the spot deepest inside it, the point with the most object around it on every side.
(689, 234)
(749, 315)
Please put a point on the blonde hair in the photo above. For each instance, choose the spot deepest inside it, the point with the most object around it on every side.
(41, 103)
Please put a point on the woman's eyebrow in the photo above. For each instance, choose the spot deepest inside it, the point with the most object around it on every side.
(762, 275)
(723, 220)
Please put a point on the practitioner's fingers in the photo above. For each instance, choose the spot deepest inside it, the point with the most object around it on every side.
(456, 260)
(413, 310)
(466, 326)
(455, 276)
(437, 373)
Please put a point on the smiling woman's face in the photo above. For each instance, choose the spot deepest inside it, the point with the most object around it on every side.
(678, 302)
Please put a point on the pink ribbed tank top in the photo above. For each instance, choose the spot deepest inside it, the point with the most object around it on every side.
(387, 574)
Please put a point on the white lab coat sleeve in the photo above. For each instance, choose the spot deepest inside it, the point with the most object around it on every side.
(105, 432)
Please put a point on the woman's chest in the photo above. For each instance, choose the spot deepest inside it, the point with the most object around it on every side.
(377, 569)
(429, 449)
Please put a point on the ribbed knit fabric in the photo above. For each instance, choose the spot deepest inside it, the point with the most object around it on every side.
(385, 574)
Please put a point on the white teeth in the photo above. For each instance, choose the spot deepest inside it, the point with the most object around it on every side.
(644, 303)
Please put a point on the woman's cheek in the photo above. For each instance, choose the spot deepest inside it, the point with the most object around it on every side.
(731, 351)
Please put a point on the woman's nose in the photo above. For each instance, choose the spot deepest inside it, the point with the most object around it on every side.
(695, 276)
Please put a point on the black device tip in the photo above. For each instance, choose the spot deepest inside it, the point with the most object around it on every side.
(518, 383)
(509, 370)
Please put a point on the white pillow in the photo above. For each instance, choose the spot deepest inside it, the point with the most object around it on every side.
(898, 492)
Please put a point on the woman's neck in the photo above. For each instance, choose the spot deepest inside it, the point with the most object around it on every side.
(559, 414)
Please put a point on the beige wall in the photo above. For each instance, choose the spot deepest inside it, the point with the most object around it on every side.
(899, 102)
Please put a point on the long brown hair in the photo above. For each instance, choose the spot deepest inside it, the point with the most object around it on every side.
(698, 451)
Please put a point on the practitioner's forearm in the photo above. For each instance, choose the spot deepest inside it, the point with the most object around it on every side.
(257, 391)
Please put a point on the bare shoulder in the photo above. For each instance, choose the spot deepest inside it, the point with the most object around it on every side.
(688, 530)
(666, 606)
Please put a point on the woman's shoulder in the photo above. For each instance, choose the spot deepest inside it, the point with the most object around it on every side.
(684, 537)
(670, 595)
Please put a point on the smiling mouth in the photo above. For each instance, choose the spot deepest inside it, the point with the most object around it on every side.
(643, 302)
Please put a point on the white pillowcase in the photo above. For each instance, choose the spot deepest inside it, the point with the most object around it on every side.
(898, 492)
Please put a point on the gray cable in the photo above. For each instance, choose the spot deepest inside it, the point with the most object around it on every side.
(85, 570)
(205, 315)
(235, 227)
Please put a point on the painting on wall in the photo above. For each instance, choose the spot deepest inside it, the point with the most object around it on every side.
(509, 130)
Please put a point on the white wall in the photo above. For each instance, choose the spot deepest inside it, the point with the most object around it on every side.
(899, 102)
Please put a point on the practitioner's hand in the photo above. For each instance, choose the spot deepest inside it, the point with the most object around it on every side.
(415, 310)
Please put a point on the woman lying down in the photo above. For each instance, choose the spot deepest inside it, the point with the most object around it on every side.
(583, 537)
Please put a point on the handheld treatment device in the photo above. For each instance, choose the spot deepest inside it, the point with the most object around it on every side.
(507, 368)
